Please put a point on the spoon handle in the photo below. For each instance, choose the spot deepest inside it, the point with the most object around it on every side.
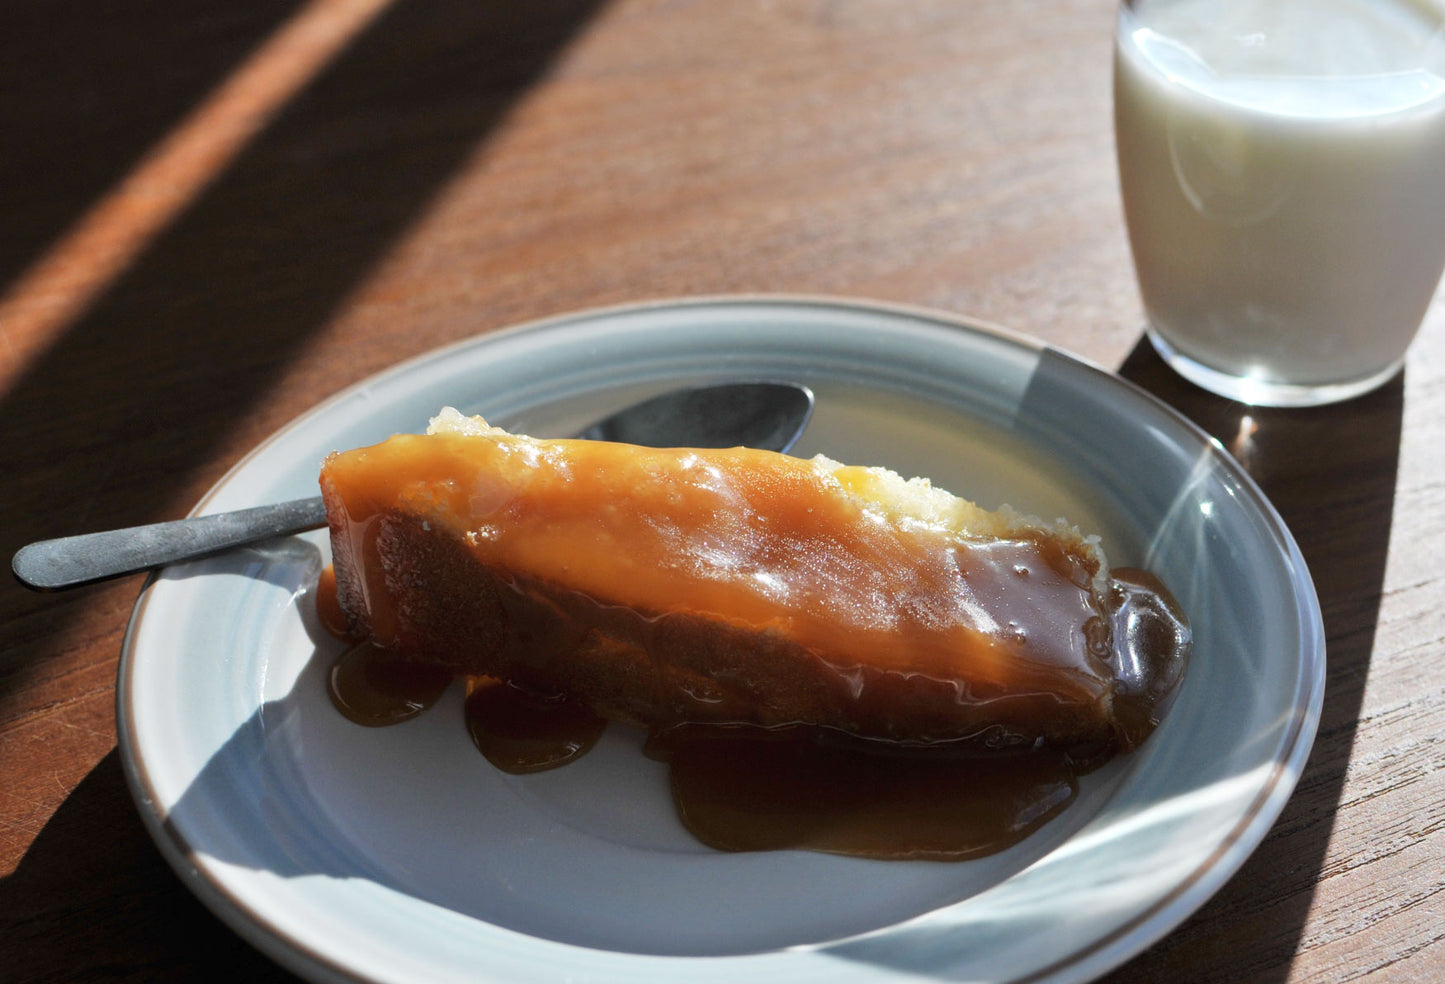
(50, 565)
(757, 414)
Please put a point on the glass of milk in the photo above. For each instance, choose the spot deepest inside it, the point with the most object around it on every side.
(1283, 172)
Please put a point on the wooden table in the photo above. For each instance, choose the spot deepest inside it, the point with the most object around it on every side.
(217, 213)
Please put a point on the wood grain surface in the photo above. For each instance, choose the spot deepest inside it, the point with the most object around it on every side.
(216, 214)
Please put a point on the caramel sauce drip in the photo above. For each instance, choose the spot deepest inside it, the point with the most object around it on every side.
(755, 789)
(1151, 641)
(328, 606)
(521, 732)
(371, 686)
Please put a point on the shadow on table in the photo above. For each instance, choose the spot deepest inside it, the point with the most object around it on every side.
(90, 88)
(1330, 472)
(93, 900)
(117, 411)
(124, 404)
(143, 385)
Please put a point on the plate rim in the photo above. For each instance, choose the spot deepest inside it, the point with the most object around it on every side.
(1098, 956)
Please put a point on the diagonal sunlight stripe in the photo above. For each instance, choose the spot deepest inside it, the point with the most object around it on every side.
(89, 257)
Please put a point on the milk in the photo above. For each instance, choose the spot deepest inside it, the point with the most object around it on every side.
(1283, 170)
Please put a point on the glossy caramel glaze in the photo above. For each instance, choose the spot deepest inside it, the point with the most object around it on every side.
(726, 586)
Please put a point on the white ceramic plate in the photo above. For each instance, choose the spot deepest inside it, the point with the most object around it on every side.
(400, 855)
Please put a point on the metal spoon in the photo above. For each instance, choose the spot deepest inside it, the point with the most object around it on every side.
(763, 415)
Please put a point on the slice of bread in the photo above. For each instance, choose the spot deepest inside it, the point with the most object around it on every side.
(733, 585)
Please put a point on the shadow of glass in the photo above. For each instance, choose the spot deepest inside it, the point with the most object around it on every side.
(1330, 472)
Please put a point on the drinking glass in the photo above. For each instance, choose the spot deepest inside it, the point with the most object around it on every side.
(1282, 164)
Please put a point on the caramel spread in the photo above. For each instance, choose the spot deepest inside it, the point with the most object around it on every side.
(746, 600)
